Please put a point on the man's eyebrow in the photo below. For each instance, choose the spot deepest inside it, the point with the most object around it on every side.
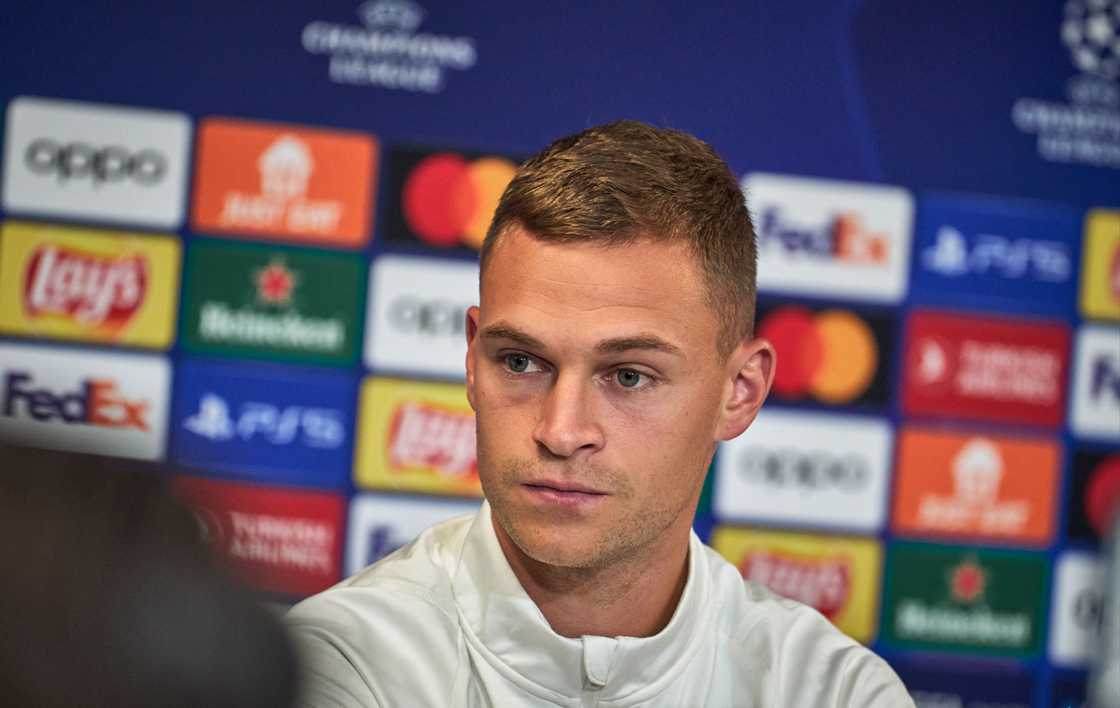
(649, 342)
(501, 330)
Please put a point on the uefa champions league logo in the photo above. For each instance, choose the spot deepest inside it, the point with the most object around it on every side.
(1091, 32)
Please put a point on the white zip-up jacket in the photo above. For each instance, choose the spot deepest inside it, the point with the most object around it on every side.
(444, 622)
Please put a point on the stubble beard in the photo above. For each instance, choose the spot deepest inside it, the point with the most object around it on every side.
(620, 538)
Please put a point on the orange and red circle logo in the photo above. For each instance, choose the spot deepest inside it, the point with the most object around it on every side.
(831, 355)
(449, 200)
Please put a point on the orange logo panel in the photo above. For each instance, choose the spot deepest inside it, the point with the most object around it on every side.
(296, 184)
(975, 486)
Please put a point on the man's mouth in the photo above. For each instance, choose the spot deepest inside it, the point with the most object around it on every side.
(567, 494)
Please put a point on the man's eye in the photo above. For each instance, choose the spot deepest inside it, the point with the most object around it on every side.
(628, 378)
(518, 363)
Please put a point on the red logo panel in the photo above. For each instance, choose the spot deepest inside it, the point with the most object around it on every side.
(275, 539)
(985, 368)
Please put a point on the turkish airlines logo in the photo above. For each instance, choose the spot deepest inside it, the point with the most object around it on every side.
(985, 368)
(301, 184)
(950, 484)
(97, 402)
(824, 238)
(432, 437)
(93, 290)
(834, 356)
(824, 584)
(274, 538)
(86, 160)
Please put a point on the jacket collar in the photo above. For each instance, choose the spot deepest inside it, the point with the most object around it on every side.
(507, 628)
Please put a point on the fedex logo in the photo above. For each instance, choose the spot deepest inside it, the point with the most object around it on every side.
(844, 238)
(265, 423)
(1096, 383)
(834, 239)
(86, 401)
(97, 402)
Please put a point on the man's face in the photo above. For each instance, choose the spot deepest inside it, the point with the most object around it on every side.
(597, 386)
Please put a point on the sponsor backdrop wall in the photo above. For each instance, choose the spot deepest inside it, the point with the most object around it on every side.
(239, 240)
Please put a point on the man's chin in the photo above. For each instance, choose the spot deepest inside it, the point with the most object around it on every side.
(557, 545)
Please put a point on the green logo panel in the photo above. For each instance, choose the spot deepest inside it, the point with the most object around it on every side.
(964, 600)
(272, 303)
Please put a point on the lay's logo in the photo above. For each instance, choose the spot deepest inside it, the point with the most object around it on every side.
(88, 285)
(836, 575)
(822, 583)
(111, 404)
(431, 436)
(96, 292)
(416, 437)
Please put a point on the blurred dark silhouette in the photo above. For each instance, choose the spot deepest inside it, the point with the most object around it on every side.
(109, 597)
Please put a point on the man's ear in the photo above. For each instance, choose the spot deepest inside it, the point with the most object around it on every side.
(472, 339)
(749, 375)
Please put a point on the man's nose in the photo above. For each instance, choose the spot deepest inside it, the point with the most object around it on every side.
(567, 424)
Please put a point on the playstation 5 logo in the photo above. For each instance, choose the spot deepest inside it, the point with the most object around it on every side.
(321, 428)
(951, 255)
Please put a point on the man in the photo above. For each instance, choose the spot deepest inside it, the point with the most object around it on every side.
(610, 353)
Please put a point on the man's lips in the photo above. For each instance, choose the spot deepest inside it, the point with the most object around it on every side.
(563, 487)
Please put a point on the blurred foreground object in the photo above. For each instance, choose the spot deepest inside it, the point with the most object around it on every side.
(1104, 677)
(110, 598)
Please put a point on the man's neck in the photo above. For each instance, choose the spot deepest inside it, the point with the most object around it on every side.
(631, 598)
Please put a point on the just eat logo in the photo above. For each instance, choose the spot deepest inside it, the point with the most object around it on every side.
(95, 402)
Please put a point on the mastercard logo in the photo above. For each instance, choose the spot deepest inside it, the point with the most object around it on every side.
(831, 355)
(449, 200)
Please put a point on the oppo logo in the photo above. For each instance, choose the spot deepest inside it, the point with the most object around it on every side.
(1088, 608)
(103, 165)
(434, 318)
(813, 470)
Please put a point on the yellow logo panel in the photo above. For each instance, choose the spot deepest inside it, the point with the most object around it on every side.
(837, 576)
(1100, 265)
(96, 286)
(416, 437)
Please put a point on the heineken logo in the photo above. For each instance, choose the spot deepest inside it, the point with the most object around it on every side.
(971, 600)
(272, 303)
(275, 283)
(967, 581)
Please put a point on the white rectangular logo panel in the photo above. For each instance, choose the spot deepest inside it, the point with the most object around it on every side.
(380, 525)
(831, 239)
(108, 404)
(822, 470)
(416, 321)
(90, 161)
(1075, 617)
(1096, 383)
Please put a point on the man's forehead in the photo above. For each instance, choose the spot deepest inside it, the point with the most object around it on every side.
(594, 292)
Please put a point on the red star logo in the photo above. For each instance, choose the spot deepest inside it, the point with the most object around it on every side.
(967, 581)
(275, 283)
